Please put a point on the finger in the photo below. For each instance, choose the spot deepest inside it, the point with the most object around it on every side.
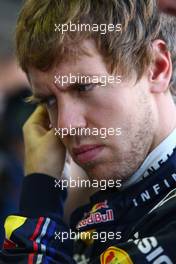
(37, 124)
(53, 139)
(40, 117)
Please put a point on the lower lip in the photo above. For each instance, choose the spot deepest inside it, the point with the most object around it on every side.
(88, 155)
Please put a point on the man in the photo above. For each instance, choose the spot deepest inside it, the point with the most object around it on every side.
(134, 52)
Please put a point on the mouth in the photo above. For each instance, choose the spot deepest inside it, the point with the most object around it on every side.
(86, 153)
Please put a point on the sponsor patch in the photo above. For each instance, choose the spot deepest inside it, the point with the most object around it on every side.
(114, 255)
(12, 223)
(96, 216)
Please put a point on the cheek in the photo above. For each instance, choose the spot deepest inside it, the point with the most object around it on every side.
(112, 111)
(116, 112)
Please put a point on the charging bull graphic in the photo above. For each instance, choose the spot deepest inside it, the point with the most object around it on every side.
(99, 206)
(115, 255)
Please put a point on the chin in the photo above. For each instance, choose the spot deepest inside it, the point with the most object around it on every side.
(99, 172)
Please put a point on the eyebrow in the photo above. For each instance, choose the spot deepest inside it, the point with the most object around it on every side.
(37, 98)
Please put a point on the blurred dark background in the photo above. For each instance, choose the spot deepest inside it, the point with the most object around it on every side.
(14, 88)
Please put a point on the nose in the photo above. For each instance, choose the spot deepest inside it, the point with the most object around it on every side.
(71, 114)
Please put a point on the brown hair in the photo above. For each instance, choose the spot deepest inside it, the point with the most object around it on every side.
(38, 45)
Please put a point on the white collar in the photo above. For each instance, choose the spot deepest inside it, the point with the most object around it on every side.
(161, 152)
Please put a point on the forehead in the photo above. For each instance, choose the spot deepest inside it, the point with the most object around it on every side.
(86, 64)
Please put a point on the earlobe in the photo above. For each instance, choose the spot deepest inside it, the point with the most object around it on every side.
(160, 71)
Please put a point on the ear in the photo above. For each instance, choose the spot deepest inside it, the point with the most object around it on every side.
(160, 70)
(168, 6)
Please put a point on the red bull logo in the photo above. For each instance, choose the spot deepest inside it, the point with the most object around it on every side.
(115, 255)
(95, 217)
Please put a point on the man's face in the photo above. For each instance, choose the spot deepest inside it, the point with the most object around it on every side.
(128, 105)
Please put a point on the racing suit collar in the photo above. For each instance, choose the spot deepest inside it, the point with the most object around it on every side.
(139, 198)
(161, 152)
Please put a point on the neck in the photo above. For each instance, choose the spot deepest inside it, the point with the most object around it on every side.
(165, 125)
(166, 116)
